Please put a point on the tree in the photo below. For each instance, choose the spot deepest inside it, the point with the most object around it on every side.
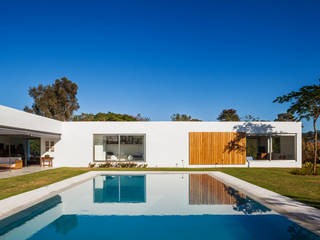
(139, 117)
(110, 116)
(285, 117)
(229, 115)
(57, 101)
(183, 117)
(250, 118)
(305, 104)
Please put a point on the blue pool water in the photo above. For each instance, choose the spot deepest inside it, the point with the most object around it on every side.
(152, 206)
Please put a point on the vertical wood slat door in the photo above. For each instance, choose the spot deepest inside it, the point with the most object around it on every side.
(221, 148)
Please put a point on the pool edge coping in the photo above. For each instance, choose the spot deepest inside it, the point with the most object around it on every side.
(302, 214)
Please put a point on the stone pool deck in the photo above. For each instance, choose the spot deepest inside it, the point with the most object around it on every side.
(306, 216)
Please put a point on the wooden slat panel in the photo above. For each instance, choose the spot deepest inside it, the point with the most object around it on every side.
(221, 148)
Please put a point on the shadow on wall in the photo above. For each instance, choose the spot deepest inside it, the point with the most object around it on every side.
(238, 143)
(257, 128)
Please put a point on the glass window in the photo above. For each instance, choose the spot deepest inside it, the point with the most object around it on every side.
(259, 147)
(12, 146)
(283, 148)
(119, 148)
(47, 146)
(52, 146)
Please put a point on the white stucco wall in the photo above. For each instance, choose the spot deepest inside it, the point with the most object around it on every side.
(166, 142)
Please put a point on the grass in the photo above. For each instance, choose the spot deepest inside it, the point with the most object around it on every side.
(305, 189)
(19, 184)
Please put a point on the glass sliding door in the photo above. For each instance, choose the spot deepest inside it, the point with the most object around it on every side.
(258, 148)
(272, 147)
(132, 148)
(112, 147)
(119, 147)
(13, 146)
(283, 148)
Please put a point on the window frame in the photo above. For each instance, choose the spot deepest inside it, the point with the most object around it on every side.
(270, 137)
(119, 145)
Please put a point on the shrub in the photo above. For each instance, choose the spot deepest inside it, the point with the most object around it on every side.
(307, 169)
(111, 164)
(91, 164)
(308, 151)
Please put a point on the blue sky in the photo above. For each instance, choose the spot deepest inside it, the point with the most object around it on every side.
(161, 57)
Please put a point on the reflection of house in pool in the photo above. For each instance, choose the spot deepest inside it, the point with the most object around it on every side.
(123, 189)
(204, 189)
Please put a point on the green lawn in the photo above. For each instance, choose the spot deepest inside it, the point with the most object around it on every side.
(305, 189)
(15, 185)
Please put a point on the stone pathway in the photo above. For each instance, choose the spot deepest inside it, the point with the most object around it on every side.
(6, 173)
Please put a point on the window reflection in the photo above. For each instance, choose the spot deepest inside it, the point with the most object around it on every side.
(123, 189)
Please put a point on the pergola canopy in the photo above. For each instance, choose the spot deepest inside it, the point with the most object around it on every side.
(28, 133)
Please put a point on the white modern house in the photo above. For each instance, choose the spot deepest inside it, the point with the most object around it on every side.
(157, 144)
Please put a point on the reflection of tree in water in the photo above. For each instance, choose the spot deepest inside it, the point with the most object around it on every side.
(65, 224)
(245, 204)
(297, 233)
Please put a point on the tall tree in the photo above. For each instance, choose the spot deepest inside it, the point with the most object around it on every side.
(229, 115)
(183, 117)
(285, 117)
(57, 101)
(305, 104)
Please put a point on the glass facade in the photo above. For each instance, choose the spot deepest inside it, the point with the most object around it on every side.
(119, 147)
(272, 147)
(12, 146)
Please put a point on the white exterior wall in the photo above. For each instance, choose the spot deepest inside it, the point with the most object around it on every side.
(167, 143)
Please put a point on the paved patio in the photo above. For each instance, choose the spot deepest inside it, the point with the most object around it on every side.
(6, 173)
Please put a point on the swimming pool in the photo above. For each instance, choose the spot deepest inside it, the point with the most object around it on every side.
(151, 206)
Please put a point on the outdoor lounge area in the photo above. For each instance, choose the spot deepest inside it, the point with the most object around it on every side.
(11, 162)
(17, 151)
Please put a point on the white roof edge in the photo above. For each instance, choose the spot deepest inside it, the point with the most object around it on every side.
(30, 114)
(13, 118)
(194, 122)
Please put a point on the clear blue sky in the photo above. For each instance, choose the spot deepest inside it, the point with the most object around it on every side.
(161, 57)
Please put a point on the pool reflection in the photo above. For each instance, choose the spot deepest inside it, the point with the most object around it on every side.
(184, 205)
(122, 189)
(206, 190)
